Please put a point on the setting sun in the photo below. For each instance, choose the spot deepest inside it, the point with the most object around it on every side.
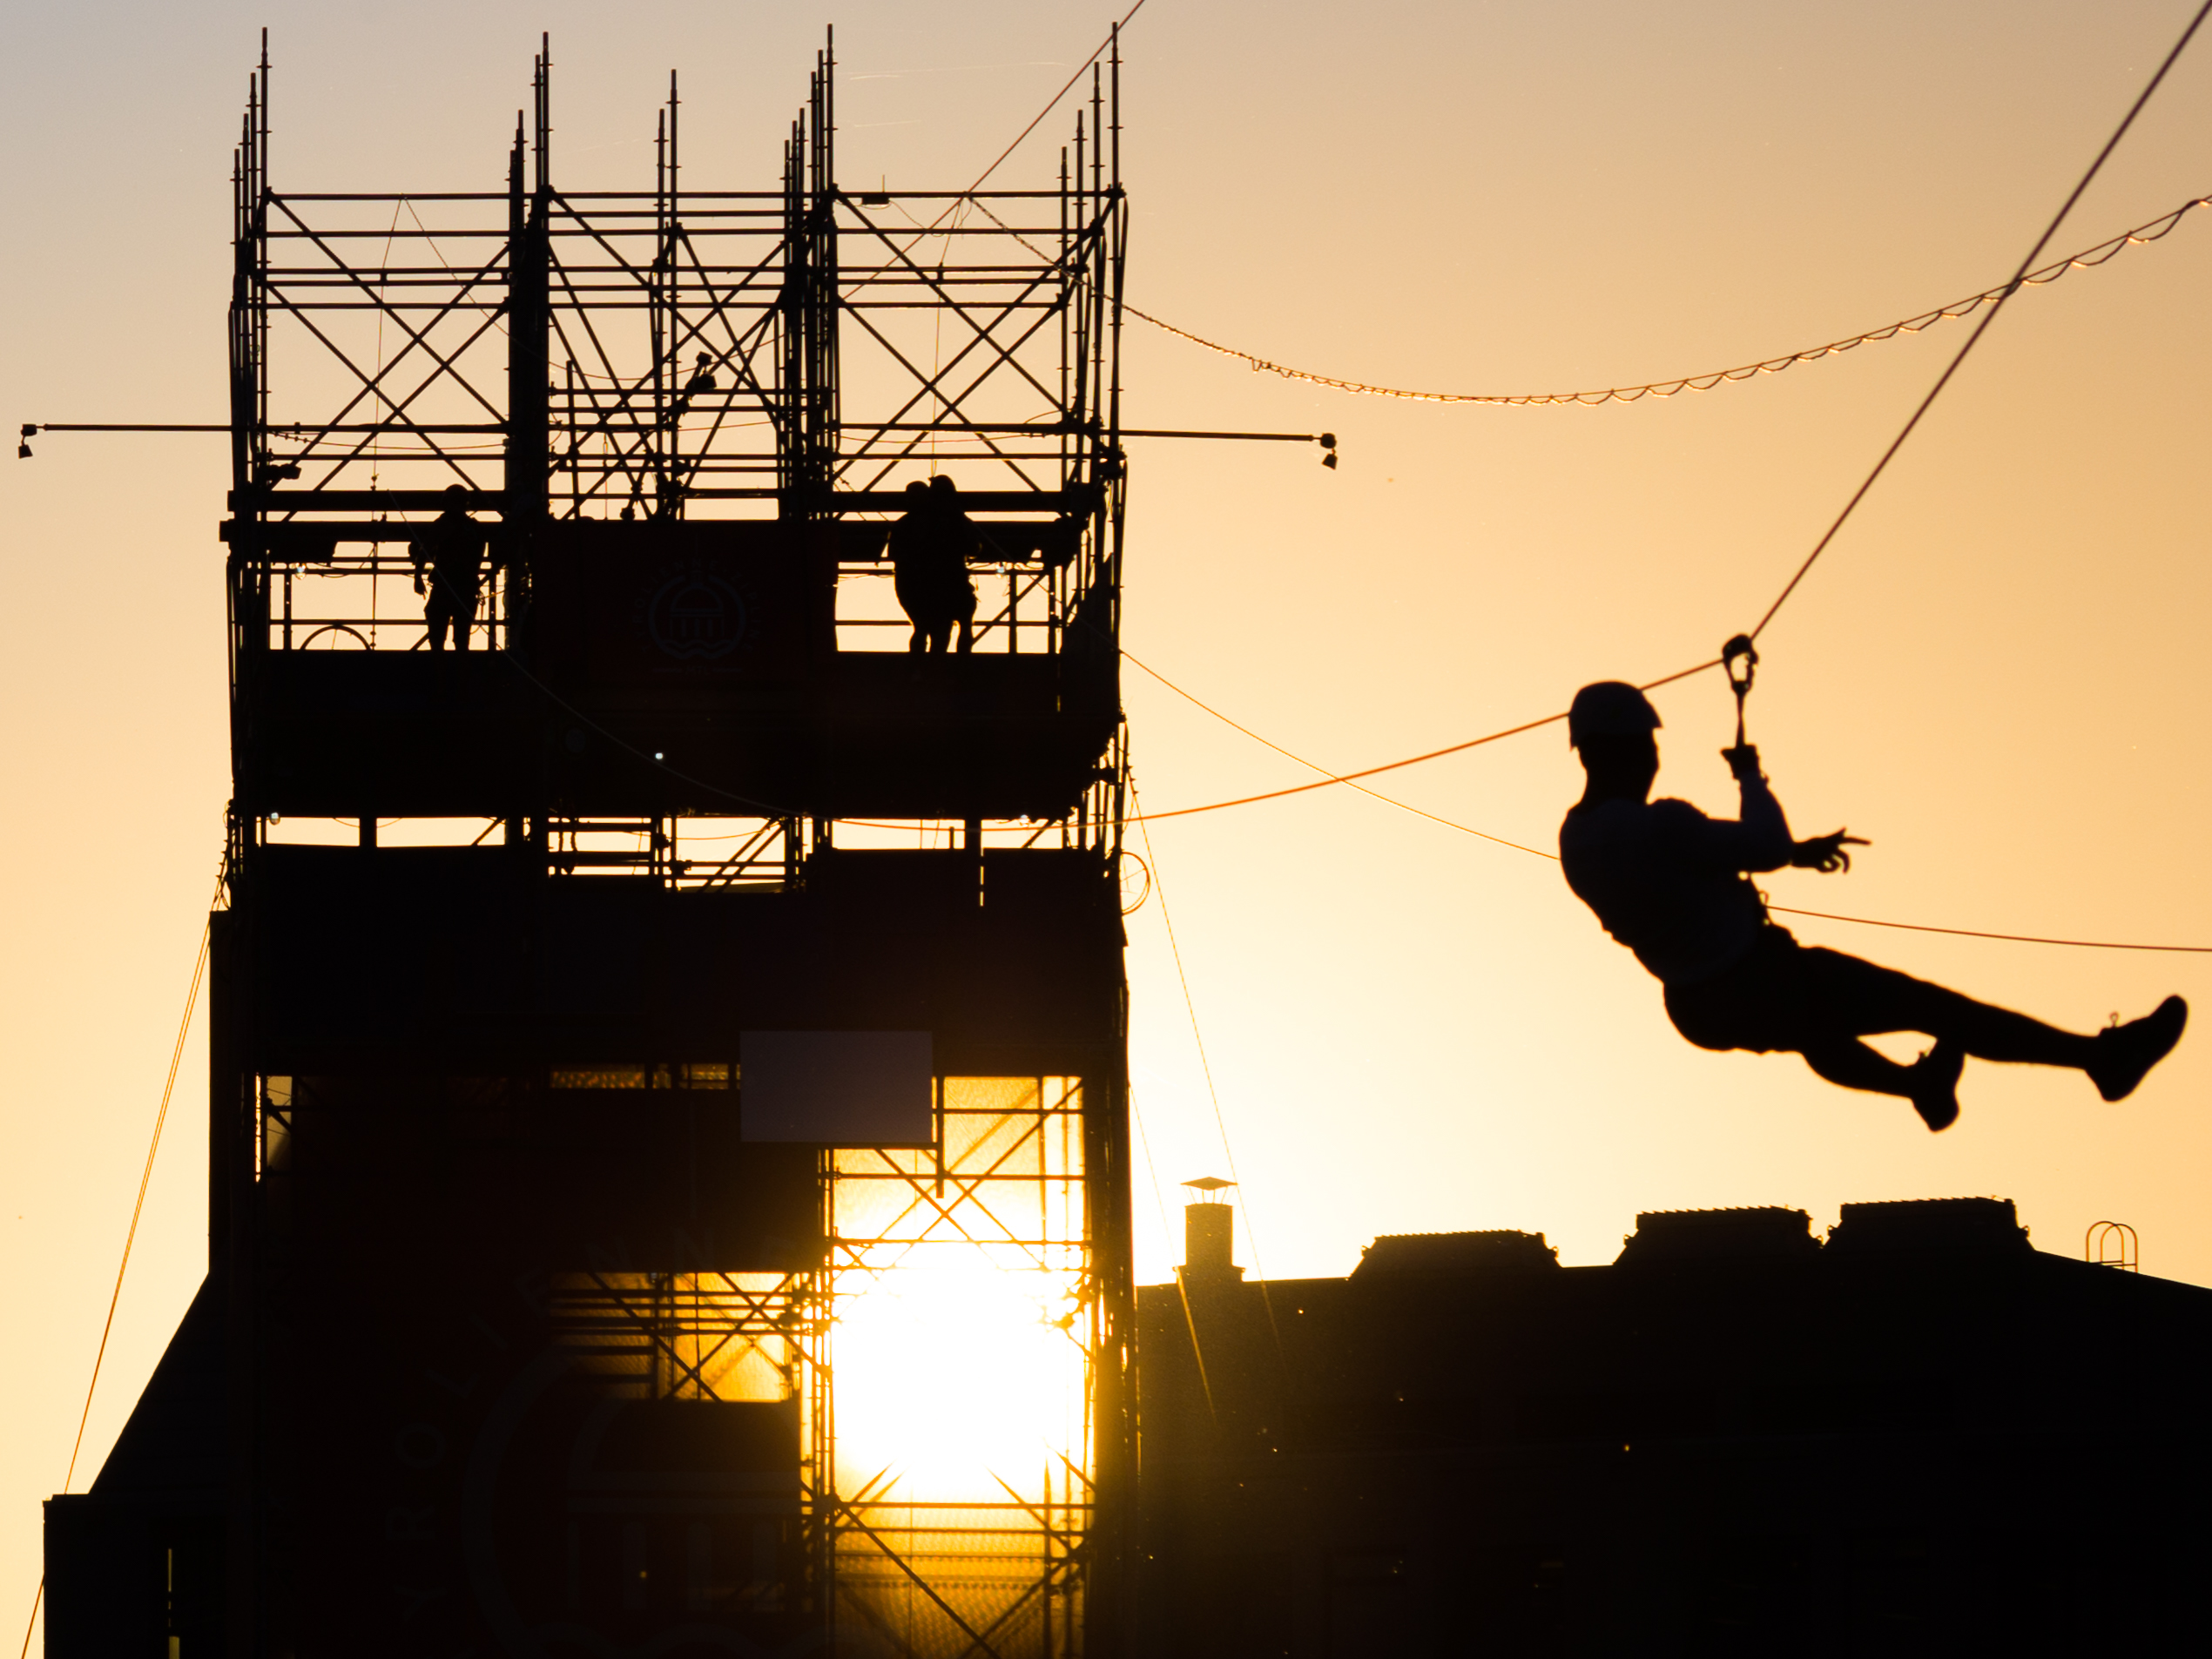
(955, 1373)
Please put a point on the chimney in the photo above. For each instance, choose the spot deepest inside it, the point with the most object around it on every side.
(1209, 1234)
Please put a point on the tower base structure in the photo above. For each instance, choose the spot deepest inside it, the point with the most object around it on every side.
(669, 1156)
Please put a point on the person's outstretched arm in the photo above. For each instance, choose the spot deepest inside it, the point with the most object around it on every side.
(1759, 840)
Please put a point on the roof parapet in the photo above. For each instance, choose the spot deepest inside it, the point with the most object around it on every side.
(1932, 1226)
(1499, 1249)
(1763, 1232)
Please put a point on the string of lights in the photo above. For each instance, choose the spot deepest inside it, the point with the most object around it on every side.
(2152, 231)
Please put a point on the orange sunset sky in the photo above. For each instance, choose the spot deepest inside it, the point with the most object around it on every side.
(1997, 673)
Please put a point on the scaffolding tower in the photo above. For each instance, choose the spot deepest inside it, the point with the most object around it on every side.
(669, 1154)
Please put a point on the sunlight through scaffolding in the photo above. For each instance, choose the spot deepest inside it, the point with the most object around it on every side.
(963, 1328)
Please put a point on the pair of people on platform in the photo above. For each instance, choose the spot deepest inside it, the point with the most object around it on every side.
(931, 547)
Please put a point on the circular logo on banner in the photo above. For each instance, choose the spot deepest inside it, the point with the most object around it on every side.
(696, 615)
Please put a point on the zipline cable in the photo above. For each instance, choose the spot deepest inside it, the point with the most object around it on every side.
(1111, 35)
(1820, 547)
(1329, 778)
(1499, 841)
(1988, 317)
(967, 196)
(1327, 774)
(131, 1235)
(2017, 939)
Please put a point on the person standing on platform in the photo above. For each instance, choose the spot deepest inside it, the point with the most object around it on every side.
(451, 552)
(907, 545)
(931, 547)
(957, 546)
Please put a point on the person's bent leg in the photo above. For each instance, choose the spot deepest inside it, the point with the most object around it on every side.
(1850, 1064)
(1857, 997)
(1775, 999)
(1930, 1083)
(1862, 998)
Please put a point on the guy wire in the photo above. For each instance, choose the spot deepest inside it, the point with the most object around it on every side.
(1205, 1066)
(131, 1235)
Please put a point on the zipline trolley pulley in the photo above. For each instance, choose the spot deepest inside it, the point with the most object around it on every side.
(1740, 662)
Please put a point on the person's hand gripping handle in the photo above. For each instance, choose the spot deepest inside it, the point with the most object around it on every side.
(1740, 661)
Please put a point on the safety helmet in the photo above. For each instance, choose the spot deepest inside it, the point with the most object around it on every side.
(1609, 709)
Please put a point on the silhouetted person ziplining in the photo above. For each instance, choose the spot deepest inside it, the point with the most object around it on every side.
(452, 551)
(1674, 885)
(931, 546)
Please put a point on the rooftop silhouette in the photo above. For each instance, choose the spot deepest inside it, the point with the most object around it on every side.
(1737, 1437)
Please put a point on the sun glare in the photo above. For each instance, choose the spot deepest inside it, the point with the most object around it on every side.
(955, 1372)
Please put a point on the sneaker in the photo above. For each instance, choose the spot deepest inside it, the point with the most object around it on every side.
(1935, 1086)
(2125, 1052)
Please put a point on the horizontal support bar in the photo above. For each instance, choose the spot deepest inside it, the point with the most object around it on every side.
(1078, 502)
(1021, 428)
(645, 220)
(302, 429)
(689, 277)
(363, 501)
(278, 196)
(566, 197)
(327, 234)
(32, 428)
(312, 541)
(1326, 439)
